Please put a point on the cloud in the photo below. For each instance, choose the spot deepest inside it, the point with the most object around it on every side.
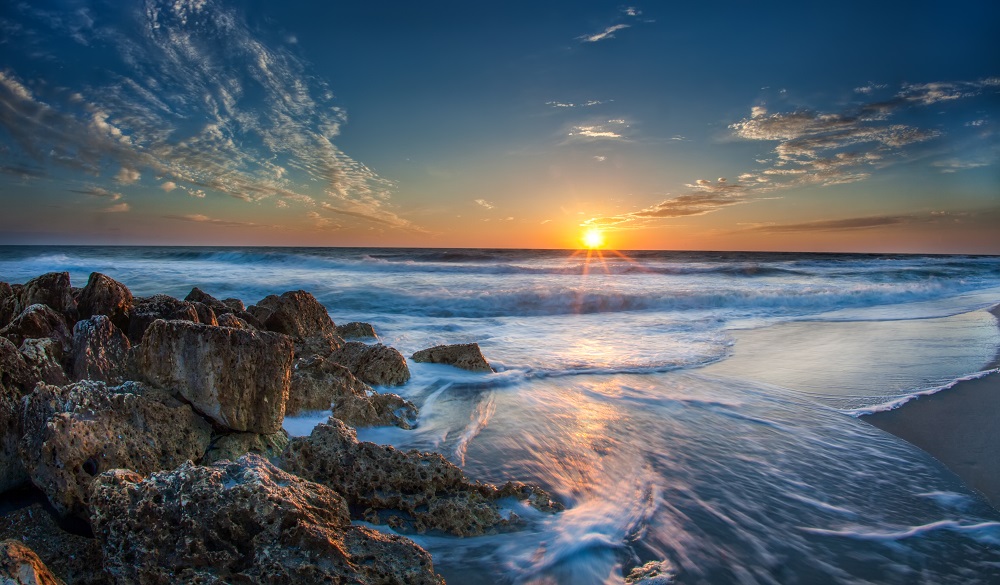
(831, 225)
(608, 33)
(600, 158)
(586, 104)
(117, 208)
(168, 186)
(610, 130)
(95, 191)
(127, 176)
(200, 218)
(484, 203)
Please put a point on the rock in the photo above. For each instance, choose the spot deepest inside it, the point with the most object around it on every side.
(377, 364)
(652, 573)
(242, 522)
(300, 316)
(16, 380)
(318, 383)
(75, 432)
(15, 373)
(232, 446)
(238, 378)
(356, 329)
(38, 321)
(44, 357)
(231, 320)
(466, 356)
(100, 350)
(53, 290)
(19, 565)
(150, 309)
(235, 305)
(8, 304)
(75, 559)
(106, 296)
(409, 491)
(199, 296)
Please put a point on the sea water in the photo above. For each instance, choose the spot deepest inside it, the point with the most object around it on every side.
(693, 408)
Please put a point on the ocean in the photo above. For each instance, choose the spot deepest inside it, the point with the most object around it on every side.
(695, 408)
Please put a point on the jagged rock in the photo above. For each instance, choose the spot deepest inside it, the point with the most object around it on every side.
(106, 296)
(149, 309)
(8, 303)
(100, 350)
(242, 522)
(206, 315)
(238, 378)
(75, 559)
(16, 380)
(318, 383)
(19, 565)
(236, 305)
(465, 355)
(73, 433)
(231, 320)
(38, 321)
(15, 373)
(44, 357)
(652, 573)
(199, 296)
(356, 329)
(300, 316)
(408, 490)
(53, 290)
(375, 364)
(232, 446)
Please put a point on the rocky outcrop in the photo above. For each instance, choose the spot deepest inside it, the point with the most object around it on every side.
(652, 573)
(236, 305)
(38, 321)
(375, 364)
(149, 309)
(19, 565)
(241, 522)
(100, 350)
(238, 378)
(53, 290)
(199, 296)
(231, 320)
(16, 380)
(232, 446)
(300, 316)
(408, 490)
(75, 559)
(8, 304)
(106, 296)
(45, 357)
(356, 329)
(465, 355)
(75, 432)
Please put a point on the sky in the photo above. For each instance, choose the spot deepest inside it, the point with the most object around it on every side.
(848, 126)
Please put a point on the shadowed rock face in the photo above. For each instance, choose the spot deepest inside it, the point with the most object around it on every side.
(241, 522)
(466, 356)
(375, 364)
(238, 378)
(53, 290)
(44, 357)
(149, 309)
(8, 304)
(36, 322)
(19, 565)
(100, 350)
(232, 446)
(300, 316)
(75, 559)
(106, 296)
(16, 380)
(407, 490)
(356, 329)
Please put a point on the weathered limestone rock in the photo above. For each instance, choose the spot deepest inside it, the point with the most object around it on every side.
(652, 573)
(16, 380)
(375, 364)
(45, 357)
(236, 305)
(300, 316)
(317, 383)
(75, 559)
(242, 522)
(75, 432)
(19, 565)
(149, 309)
(53, 290)
(219, 308)
(356, 329)
(106, 296)
(205, 314)
(409, 491)
(231, 320)
(232, 446)
(8, 304)
(199, 296)
(14, 371)
(100, 350)
(238, 378)
(38, 321)
(465, 355)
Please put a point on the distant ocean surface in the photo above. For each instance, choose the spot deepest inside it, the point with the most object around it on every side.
(699, 408)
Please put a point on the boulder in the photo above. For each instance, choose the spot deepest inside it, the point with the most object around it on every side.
(407, 490)
(100, 350)
(106, 296)
(356, 329)
(375, 364)
(242, 522)
(38, 321)
(19, 565)
(238, 378)
(232, 446)
(75, 559)
(206, 315)
(45, 357)
(652, 573)
(8, 303)
(236, 305)
(149, 309)
(16, 380)
(53, 290)
(231, 320)
(199, 296)
(15, 373)
(300, 316)
(465, 355)
(318, 383)
(73, 433)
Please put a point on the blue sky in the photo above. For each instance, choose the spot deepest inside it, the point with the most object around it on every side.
(708, 126)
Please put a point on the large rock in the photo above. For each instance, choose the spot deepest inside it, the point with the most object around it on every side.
(73, 433)
(45, 358)
(106, 296)
(199, 296)
(8, 304)
(466, 356)
(231, 320)
(100, 350)
(238, 378)
(375, 364)
(356, 329)
(75, 559)
(242, 522)
(38, 321)
(319, 384)
(407, 490)
(149, 309)
(232, 446)
(19, 565)
(53, 290)
(300, 316)
(652, 573)
(16, 380)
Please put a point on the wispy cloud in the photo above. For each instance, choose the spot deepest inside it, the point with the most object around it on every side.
(831, 225)
(484, 203)
(586, 104)
(608, 33)
(608, 130)
(117, 208)
(95, 191)
(199, 218)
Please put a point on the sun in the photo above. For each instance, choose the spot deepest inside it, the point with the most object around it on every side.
(593, 239)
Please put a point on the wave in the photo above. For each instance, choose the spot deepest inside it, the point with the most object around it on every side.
(898, 401)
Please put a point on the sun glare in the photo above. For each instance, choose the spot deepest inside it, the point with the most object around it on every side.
(593, 239)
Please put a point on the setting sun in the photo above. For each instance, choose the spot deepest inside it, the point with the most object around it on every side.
(593, 238)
